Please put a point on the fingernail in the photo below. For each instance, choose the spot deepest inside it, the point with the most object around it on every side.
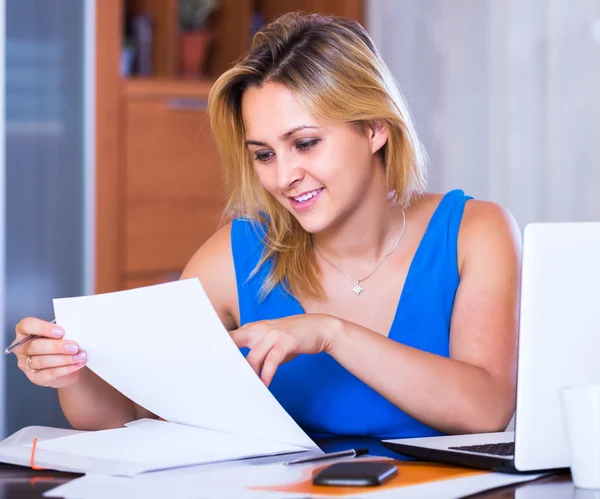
(80, 356)
(69, 347)
(57, 331)
(79, 364)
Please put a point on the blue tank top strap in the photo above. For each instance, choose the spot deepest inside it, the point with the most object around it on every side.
(433, 275)
(440, 239)
(457, 198)
(247, 247)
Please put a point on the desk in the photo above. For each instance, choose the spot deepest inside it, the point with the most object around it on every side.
(24, 483)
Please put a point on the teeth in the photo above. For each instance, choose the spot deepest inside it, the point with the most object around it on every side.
(307, 196)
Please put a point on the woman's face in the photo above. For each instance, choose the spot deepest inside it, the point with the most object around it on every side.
(319, 171)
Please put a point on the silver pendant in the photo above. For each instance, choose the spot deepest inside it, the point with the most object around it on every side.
(357, 289)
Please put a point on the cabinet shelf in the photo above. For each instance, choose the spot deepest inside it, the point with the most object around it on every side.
(134, 88)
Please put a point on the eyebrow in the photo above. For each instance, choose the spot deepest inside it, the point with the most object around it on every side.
(285, 136)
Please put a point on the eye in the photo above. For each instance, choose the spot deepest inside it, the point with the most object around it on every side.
(307, 144)
(263, 156)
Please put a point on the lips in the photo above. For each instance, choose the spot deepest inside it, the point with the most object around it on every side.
(306, 200)
(306, 195)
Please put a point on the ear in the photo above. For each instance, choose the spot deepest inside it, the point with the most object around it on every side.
(378, 135)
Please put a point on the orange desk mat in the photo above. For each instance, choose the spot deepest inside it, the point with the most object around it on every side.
(409, 473)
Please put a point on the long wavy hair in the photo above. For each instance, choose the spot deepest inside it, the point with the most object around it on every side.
(332, 66)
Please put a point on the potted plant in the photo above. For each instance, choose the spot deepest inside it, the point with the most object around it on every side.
(195, 37)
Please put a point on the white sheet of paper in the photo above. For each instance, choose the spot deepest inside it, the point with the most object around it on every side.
(240, 479)
(153, 445)
(97, 486)
(165, 348)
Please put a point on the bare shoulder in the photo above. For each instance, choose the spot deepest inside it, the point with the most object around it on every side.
(213, 265)
(216, 251)
(488, 231)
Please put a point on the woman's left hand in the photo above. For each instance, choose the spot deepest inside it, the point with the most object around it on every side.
(273, 342)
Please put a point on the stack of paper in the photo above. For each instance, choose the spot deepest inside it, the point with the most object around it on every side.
(165, 348)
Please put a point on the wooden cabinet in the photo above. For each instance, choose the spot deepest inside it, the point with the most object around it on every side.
(173, 190)
(159, 192)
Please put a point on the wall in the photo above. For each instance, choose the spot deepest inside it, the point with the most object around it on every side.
(505, 95)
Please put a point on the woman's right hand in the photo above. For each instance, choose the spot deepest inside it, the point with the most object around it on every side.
(48, 360)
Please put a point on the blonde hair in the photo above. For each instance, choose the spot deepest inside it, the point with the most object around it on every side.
(332, 66)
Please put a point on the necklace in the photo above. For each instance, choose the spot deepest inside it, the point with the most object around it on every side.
(358, 289)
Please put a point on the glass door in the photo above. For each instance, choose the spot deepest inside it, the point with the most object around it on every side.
(48, 88)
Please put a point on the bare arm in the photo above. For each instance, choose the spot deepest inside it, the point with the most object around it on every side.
(93, 404)
(474, 389)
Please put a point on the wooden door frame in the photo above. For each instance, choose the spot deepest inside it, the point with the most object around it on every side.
(109, 21)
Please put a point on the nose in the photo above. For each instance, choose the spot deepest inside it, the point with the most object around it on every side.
(288, 172)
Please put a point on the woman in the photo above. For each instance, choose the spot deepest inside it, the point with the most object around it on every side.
(369, 307)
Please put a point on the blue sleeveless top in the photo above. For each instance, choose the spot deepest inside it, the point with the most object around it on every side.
(323, 397)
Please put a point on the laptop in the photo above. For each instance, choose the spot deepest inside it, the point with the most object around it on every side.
(559, 344)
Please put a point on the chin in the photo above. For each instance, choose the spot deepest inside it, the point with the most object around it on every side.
(313, 223)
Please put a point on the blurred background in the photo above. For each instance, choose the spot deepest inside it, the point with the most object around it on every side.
(109, 177)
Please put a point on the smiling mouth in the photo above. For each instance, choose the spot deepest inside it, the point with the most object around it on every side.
(307, 195)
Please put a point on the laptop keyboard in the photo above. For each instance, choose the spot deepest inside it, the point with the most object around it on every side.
(504, 449)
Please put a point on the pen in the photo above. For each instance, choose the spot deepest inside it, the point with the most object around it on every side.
(23, 341)
(331, 455)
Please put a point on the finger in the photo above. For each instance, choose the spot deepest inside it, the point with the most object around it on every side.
(274, 358)
(247, 336)
(43, 346)
(258, 353)
(47, 377)
(31, 325)
(39, 362)
(238, 337)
